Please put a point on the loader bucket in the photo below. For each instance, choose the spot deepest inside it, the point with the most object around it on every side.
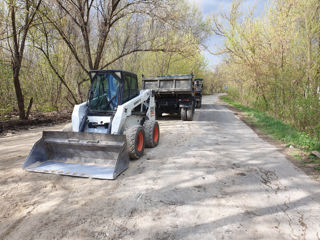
(93, 155)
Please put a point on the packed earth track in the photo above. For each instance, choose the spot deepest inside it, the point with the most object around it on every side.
(212, 178)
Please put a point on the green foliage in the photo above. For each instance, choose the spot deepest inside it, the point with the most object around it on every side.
(273, 62)
(46, 108)
(276, 128)
(54, 65)
(7, 95)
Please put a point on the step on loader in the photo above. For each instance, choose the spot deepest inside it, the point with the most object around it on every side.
(114, 125)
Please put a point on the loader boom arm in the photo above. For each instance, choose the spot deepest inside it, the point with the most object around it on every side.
(124, 111)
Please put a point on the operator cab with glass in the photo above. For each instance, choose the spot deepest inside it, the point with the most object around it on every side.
(109, 89)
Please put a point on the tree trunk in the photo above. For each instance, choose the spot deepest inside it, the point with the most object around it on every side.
(29, 108)
(20, 98)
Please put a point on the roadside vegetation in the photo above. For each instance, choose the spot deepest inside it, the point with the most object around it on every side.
(278, 130)
(47, 47)
(272, 64)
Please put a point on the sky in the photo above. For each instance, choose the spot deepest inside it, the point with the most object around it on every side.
(216, 7)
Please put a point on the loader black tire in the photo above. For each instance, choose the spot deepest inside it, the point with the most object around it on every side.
(135, 141)
(189, 114)
(183, 114)
(152, 133)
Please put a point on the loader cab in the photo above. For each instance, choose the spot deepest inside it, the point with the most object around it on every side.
(110, 88)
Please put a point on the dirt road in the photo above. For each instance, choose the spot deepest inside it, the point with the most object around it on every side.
(212, 178)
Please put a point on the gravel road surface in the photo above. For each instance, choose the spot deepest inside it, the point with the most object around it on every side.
(212, 178)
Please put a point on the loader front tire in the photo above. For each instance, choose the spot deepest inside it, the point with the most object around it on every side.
(135, 141)
(152, 133)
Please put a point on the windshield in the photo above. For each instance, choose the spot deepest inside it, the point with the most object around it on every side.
(103, 94)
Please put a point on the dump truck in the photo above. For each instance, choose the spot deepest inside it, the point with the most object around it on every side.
(198, 85)
(173, 94)
(114, 125)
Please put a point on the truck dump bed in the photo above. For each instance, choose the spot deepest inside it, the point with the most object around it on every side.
(182, 84)
(174, 94)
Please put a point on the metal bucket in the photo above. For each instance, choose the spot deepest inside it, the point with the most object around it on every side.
(93, 155)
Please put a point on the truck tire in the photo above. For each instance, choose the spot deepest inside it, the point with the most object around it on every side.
(183, 113)
(135, 141)
(189, 114)
(152, 133)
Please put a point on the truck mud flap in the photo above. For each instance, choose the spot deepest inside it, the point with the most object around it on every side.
(92, 155)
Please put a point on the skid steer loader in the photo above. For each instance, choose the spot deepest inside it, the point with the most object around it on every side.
(113, 126)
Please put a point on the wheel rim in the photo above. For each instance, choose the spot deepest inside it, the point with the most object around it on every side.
(140, 142)
(156, 134)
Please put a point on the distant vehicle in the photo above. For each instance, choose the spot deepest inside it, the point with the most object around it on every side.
(198, 85)
(173, 94)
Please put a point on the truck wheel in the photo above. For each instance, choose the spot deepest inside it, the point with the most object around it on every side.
(152, 133)
(183, 113)
(135, 141)
(189, 114)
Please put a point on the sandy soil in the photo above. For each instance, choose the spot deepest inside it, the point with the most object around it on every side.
(212, 178)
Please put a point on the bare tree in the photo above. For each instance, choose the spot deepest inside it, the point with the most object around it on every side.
(92, 24)
(44, 41)
(21, 15)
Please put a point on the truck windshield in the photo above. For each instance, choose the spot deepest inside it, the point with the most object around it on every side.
(103, 93)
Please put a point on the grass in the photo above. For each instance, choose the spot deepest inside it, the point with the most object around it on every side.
(276, 128)
(46, 109)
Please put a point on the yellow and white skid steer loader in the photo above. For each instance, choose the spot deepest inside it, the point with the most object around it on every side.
(114, 125)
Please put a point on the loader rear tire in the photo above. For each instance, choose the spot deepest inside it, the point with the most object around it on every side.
(152, 133)
(183, 113)
(135, 141)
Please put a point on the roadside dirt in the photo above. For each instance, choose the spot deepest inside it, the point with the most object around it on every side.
(304, 159)
(9, 127)
(212, 178)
